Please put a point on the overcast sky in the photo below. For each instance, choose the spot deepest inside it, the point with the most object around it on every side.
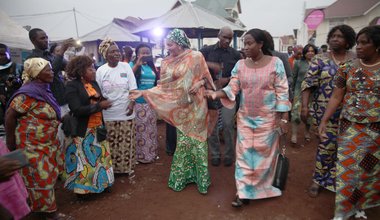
(279, 17)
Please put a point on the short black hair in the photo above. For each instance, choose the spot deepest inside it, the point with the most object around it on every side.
(373, 34)
(4, 46)
(306, 49)
(260, 36)
(33, 33)
(76, 68)
(348, 33)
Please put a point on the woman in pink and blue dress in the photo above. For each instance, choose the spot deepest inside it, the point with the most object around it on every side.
(262, 116)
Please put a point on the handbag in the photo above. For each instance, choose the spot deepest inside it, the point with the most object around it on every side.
(69, 125)
(101, 133)
(282, 166)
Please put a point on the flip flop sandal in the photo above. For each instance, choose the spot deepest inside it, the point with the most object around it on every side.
(61, 216)
(237, 203)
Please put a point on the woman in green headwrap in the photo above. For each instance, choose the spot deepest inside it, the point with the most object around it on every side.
(184, 73)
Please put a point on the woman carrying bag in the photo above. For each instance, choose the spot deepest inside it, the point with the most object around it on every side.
(88, 165)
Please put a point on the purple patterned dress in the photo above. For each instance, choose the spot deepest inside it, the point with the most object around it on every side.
(319, 79)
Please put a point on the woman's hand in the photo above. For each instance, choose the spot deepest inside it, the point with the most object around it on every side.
(210, 94)
(7, 168)
(322, 131)
(130, 108)
(194, 89)
(105, 104)
(135, 94)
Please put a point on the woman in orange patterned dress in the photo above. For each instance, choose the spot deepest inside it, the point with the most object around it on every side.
(32, 120)
(357, 86)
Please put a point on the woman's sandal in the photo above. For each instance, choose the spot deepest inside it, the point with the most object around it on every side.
(60, 216)
(313, 191)
(239, 202)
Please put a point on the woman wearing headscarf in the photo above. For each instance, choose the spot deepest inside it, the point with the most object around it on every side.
(88, 165)
(262, 117)
(146, 118)
(357, 86)
(32, 120)
(317, 88)
(183, 74)
(116, 80)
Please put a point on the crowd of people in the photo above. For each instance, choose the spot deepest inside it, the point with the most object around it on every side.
(91, 125)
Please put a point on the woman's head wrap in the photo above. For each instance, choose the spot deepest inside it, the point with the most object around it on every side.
(33, 67)
(179, 36)
(103, 47)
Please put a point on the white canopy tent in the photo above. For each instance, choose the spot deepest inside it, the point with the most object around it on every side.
(111, 30)
(12, 34)
(196, 21)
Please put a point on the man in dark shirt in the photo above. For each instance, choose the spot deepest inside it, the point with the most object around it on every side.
(221, 58)
(40, 41)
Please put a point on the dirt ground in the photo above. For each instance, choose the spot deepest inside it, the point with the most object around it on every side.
(147, 196)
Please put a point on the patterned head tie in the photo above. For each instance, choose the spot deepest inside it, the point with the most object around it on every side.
(32, 68)
(179, 37)
(104, 45)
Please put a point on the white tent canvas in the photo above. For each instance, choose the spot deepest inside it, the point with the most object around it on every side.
(191, 18)
(113, 31)
(12, 34)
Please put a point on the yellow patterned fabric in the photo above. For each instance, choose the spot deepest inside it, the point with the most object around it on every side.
(104, 45)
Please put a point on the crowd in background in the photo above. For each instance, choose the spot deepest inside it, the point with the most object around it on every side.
(87, 124)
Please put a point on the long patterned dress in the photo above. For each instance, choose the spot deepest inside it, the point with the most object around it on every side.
(88, 164)
(189, 113)
(36, 134)
(264, 94)
(319, 79)
(358, 166)
(146, 119)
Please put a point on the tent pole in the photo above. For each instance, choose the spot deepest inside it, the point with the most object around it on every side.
(199, 40)
(76, 23)
(162, 47)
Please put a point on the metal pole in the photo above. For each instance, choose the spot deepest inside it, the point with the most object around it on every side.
(76, 23)
(235, 40)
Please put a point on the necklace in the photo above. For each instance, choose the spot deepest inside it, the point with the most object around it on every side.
(337, 62)
(257, 61)
(368, 65)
